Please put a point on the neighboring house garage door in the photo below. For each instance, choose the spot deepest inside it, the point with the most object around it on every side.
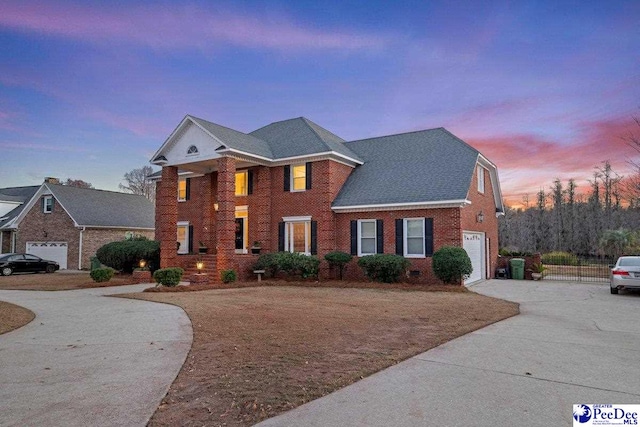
(53, 251)
(473, 244)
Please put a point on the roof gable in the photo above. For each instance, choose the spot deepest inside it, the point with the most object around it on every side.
(301, 137)
(430, 166)
(15, 195)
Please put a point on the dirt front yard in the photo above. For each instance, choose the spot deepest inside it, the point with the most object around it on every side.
(13, 317)
(261, 351)
(58, 281)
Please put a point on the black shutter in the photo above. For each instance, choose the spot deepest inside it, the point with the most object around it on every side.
(249, 181)
(41, 207)
(428, 236)
(190, 235)
(188, 190)
(314, 237)
(281, 236)
(354, 237)
(308, 175)
(287, 178)
(379, 236)
(53, 203)
(399, 236)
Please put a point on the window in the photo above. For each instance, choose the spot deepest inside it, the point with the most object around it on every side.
(298, 178)
(241, 183)
(480, 179)
(192, 150)
(183, 237)
(414, 237)
(182, 189)
(297, 234)
(367, 243)
(47, 204)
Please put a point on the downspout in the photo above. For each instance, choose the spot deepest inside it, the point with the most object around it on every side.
(1, 236)
(80, 250)
(13, 241)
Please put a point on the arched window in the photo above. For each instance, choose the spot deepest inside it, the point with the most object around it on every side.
(192, 150)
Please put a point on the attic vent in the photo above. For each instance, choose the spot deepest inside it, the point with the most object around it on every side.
(192, 150)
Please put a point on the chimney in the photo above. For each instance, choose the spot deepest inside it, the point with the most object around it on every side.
(51, 180)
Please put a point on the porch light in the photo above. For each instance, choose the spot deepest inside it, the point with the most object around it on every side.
(142, 263)
(480, 217)
(215, 207)
(199, 266)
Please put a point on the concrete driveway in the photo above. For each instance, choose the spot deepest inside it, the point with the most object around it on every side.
(572, 343)
(89, 360)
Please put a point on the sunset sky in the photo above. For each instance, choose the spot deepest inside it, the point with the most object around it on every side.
(89, 90)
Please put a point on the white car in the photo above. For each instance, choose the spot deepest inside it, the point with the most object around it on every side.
(625, 274)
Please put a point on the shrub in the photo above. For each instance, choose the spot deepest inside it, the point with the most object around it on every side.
(338, 260)
(228, 276)
(560, 258)
(451, 264)
(168, 276)
(125, 255)
(102, 274)
(288, 262)
(385, 268)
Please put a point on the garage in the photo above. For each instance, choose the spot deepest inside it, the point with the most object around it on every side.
(53, 251)
(473, 244)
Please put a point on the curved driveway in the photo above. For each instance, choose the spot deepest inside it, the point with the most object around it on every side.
(572, 343)
(89, 360)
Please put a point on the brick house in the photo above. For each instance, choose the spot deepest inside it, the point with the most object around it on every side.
(294, 186)
(68, 224)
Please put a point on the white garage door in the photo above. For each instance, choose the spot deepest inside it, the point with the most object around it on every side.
(53, 251)
(473, 244)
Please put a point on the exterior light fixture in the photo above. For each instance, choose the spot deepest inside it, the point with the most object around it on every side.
(199, 266)
(142, 263)
(480, 217)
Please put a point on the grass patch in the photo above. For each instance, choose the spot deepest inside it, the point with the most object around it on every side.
(260, 351)
(13, 317)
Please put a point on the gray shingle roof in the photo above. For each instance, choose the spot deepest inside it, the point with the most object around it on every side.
(425, 166)
(236, 140)
(16, 194)
(99, 208)
(300, 136)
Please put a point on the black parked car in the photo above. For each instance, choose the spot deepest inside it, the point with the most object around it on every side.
(18, 263)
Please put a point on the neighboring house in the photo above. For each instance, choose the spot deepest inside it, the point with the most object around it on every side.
(294, 186)
(68, 224)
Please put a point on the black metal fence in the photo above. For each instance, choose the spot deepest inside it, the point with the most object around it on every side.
(577, 268)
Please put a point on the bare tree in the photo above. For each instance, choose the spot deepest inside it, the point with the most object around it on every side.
(77, 183)
(138, 182)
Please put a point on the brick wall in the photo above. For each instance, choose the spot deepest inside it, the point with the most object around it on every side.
(446, 232)
(484, 202)
(56, 226)
(6, 242)
(94, 238)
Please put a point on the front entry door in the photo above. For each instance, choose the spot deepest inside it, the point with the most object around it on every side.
(240, 234)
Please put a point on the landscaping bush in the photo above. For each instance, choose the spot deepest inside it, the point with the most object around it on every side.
(126, 254)
(168, 276)
(102, 274)
(292, 264)
(560, 258)
(385, 268)
(228, 276)
(338, 260)
(451, 264)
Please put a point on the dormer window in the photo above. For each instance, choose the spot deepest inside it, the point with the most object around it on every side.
(192, 150)
(47, 204)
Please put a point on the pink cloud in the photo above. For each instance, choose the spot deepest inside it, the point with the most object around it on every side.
(528, 163)
(161, 27)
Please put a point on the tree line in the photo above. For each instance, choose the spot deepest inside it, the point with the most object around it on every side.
(603, 221)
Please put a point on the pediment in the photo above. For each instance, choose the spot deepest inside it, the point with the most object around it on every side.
(189, 143)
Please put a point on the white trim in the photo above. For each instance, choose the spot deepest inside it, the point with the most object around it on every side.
(117, 227)
(495, 182)
(405, 237)
(288, 237)
(375, 236)
(403, 206)
(183, 179)
(483, 256)
(13, 242)
(480, 177)
(80, 250)
(296, 218)
(44, 203)
(1, 236)
(43, 190)
(186, 235)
